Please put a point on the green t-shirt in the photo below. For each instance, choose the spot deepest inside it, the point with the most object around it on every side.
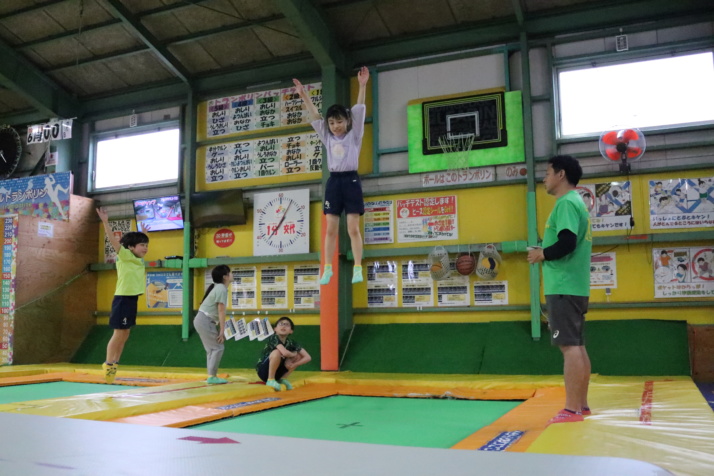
(131, 274)
(570, 274)
(272, 342)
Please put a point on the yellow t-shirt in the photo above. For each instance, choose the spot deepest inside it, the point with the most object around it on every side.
(131, 274)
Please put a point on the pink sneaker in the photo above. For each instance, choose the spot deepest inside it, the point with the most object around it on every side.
(565, 416)
(586, 411)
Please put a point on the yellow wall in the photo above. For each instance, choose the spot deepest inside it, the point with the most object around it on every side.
(486, 214)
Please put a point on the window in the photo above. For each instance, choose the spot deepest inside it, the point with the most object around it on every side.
(136, 158)
(657, 93)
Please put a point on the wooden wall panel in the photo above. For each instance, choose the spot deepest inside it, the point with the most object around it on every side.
(56, 296)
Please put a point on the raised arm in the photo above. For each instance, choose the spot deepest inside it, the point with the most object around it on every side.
(311, 109)
(108, 229)
(362, 78)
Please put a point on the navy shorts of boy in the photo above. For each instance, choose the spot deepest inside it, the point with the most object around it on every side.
(263, 369)
(343, 192)
(123, 314)
(566, 319)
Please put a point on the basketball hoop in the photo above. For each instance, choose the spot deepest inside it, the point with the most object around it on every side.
(458, 148)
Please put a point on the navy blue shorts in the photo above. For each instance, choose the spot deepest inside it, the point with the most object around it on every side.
(566, 319)
(123, 314)
(264, 367)
(343, 192)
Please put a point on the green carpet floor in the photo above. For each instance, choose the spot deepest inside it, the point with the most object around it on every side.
(416, 422)
(42, 391)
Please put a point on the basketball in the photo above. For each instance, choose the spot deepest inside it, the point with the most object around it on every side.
(465, 264)
(436, 267)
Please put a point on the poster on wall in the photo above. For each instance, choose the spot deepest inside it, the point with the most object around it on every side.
(164, 289)
(259, 110)
(603, 271)
(682, 203)
(244, 287)
(9, 274)
(490, 293)
(609, 204)
(417, 285)
(379, 222)
(306, 286)
(683, 272)
(118, 227)
(427, 219)
(43, 196)
(274, 287)
(382, 284)
(454, 290)
(269, 157)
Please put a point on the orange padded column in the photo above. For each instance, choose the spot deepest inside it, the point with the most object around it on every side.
(329, 308)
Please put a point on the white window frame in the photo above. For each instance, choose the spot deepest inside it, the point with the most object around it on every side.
(585, 64)
(95, 138)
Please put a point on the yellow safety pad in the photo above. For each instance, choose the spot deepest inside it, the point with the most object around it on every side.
(664, 421)
(132, 401)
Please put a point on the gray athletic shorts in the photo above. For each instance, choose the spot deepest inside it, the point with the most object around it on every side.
(566, 318)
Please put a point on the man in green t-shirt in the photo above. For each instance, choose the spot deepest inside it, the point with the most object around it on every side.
(567, 245)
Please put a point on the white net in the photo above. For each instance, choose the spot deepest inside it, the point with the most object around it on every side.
(458, 149)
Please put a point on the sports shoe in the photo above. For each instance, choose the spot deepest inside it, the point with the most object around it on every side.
(326, 275)
(274, 384)
(586, 411)
(286, 382)
(110, 372)
(216, 380)
(357, 275)
(565, 416)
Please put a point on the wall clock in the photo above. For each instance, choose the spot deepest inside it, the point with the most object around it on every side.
(281, 222)
(10, 150)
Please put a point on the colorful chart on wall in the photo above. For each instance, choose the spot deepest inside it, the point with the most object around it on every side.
(682, 203)
(609, 204)
(683, 272)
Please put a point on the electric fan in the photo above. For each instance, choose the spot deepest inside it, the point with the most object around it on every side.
(623, 145)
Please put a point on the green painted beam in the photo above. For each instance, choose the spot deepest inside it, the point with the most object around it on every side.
(650, 304)
(607, 13)
(19, 75)
(445, 40)
(410, 310)
(315, 31)
(265, 259)
(167, 94)
(678, 237)
(161, 51)
(505, 247)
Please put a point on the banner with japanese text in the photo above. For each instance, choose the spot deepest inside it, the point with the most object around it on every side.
(427, 219)
(44, 196)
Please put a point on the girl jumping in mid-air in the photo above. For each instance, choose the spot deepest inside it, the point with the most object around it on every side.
(341, 133)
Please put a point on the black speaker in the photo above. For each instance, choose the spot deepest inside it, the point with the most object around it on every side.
(217, 208)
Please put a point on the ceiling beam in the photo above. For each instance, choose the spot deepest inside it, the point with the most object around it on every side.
(315, 32)
(31, 8)
(520, 10)
(161, 51)
(19, 75)
(609, 14)
(210, 85)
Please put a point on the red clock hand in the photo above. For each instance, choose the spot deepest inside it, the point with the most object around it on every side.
(282, 219)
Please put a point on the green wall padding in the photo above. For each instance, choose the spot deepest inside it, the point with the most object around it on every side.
(638, 347)
(162, 346)
(631, 347)
(512, 351)
(417, 348)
